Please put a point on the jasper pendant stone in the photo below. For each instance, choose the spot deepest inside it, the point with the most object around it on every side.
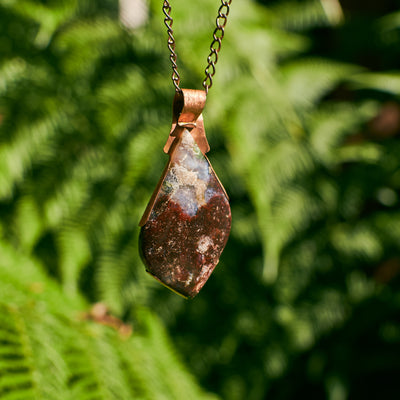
(189, 222)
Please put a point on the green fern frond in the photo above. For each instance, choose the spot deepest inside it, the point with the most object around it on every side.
(331, 123)
(11, 72)
(84, 43)
(307, 81)
(301, 16)
(48, 351)
(74, 252)
(28, 144)
(386, 82)
(357, 241)
(28, 223)
(49, 17)
(389, 22)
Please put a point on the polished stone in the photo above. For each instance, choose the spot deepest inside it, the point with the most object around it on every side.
(189, 224)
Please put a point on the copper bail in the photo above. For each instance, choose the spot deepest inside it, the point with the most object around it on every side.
(187, 114)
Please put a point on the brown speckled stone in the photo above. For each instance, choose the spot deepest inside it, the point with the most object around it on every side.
(189, 224)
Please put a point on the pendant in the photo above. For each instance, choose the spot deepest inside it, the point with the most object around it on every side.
(187, 222)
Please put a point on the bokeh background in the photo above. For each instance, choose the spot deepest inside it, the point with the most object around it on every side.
(303, 121)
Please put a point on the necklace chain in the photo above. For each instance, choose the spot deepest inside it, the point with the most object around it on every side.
(168, 21)
(215, 46)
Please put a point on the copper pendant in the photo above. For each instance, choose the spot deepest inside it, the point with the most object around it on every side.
(187, 222)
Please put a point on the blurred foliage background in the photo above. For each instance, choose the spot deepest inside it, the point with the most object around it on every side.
(303, 121)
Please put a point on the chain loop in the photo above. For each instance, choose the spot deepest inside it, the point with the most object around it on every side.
(215, 47)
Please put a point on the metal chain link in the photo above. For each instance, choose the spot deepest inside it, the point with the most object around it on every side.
(215, 46)
(168, 21)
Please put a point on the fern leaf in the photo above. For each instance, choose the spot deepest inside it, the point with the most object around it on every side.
(46, 351)
(307, 81)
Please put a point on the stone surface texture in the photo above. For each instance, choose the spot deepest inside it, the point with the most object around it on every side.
(189, 224)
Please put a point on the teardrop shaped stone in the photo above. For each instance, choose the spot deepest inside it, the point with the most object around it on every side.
(189, 224)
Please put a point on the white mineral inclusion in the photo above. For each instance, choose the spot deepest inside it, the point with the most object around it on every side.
(204, 243)
(188, 177)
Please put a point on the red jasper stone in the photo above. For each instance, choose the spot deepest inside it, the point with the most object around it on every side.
(189, 224)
